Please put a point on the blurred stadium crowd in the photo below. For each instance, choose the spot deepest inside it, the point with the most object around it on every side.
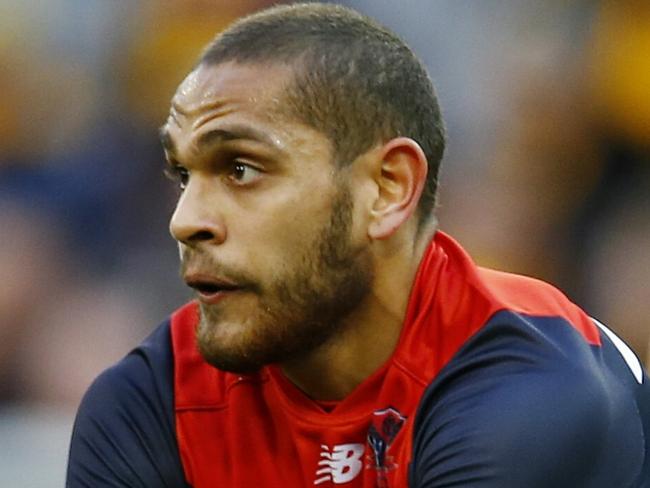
(547, 171)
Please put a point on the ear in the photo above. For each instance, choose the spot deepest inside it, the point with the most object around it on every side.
(400, 181)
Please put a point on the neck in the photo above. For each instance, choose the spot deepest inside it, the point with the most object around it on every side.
(369, 334)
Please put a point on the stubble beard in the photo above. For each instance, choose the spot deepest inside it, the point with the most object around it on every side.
(300, 310)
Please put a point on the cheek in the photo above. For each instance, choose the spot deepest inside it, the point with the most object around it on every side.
(282, 248)
(282, 228)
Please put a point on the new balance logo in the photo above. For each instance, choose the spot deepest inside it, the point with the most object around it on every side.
(340, 464)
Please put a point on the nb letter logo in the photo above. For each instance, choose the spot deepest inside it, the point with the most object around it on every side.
(340, 464)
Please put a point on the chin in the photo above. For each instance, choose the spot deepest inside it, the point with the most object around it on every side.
(228, 346)
(245, 347)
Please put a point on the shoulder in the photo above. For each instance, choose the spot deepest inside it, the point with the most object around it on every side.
(147, 371)
(534, 298)
(124, 430)
(529, 402)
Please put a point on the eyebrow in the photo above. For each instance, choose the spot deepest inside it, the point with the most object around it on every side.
(216, 136)
(232, 133)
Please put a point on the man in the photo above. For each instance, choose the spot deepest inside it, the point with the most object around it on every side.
(338, 337)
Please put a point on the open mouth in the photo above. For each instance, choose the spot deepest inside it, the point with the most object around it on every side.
(212, 291)
(211, 288)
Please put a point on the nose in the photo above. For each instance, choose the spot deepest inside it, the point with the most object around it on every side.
(196, 218)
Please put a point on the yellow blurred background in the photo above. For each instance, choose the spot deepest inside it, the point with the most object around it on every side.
(547, 173)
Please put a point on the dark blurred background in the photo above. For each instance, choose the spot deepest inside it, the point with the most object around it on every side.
(547, 103)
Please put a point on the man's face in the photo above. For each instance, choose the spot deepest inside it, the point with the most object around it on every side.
(265, 222)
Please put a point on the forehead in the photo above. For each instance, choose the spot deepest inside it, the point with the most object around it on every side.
(239, 102)
(211, 90)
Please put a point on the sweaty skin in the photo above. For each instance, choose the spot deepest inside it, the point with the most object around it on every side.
(300, 249)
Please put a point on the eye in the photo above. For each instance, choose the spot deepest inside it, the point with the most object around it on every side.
(178, 174)
(243, 174)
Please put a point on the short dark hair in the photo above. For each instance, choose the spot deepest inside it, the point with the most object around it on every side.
(358, 82)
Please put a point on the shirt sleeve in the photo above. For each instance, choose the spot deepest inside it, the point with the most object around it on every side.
(530, 407)
(124, 430)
